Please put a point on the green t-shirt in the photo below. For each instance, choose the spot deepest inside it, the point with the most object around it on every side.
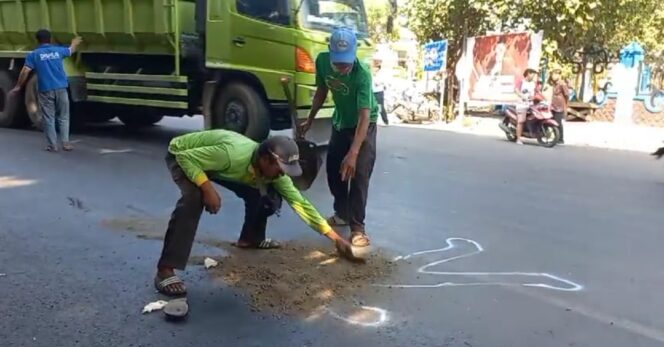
(350, 93)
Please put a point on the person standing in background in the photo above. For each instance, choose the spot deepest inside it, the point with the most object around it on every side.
(52, 83)
(379, 88)
(559, 100)
(352, 148)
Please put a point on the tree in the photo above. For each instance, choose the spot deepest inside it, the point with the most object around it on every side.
(454, 20)
(568, 25)
(380, 14)
(572, 25)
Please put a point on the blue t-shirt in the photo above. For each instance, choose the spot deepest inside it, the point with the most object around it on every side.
(46, 60)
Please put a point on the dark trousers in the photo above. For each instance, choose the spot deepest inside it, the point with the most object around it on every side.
(380, 98)
(350, 200)
(187, 213)
(559, 116)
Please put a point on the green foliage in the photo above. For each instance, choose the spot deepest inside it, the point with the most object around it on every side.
(571, 25)
(378, 13)
(453, 19)
(568, 25)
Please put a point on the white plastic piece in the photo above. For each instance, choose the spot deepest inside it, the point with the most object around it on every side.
(154, 306)
(209, 262)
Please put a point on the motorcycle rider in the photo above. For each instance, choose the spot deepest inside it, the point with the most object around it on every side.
(530, 91)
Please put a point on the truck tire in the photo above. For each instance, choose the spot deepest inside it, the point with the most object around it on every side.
(77, 112)
(137, 119)
(12, 113)
(32, 103)
(238, 107)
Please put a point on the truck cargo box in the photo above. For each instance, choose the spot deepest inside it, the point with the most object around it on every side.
(107, 26)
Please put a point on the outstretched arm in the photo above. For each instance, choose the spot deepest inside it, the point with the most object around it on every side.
(308, 213)
(23, 77)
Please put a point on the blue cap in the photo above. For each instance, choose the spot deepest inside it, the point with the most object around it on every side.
(343, 46)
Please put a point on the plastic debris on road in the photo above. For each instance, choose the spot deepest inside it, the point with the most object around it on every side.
(209, 262)
(154, 306)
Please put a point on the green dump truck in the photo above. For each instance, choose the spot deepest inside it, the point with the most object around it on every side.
(143, 59)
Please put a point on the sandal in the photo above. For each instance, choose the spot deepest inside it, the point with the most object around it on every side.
(265, 244)
(50, 149)
(176, 310)
(166, 286)
(359, 239)
(336, 221)
(68, 147)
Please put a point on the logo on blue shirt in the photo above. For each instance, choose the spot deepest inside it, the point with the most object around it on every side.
(47, 62)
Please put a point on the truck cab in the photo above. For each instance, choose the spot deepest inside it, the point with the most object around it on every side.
(252, 44)
(143, 59)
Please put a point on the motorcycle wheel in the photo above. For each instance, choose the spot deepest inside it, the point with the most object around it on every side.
(549, 136)
(507, 128)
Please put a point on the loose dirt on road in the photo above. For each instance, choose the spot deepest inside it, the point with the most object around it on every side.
(301, 278)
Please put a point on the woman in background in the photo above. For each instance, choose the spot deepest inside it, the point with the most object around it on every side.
(559, 100)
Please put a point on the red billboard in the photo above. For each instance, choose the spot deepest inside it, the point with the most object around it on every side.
(493, 65)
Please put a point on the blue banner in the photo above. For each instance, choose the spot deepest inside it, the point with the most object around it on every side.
(435, 56)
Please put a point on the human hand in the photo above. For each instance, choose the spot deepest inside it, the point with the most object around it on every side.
(348, 166)
(345, 249)
(305, 126)
(211, 198)
(76, 41)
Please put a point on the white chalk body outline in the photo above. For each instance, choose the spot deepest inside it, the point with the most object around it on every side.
(566, 285)
(383, 317)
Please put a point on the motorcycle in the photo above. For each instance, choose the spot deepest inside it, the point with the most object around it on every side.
(539, 125)
(413, 106)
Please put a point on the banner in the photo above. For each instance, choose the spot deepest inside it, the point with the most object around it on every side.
(435, 56)
(493, 65)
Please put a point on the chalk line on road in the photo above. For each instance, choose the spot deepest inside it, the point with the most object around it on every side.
(564, 284)
(359, 318)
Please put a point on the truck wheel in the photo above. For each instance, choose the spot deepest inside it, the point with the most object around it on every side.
(31, 102)
(239, 108)
(137, 119)
(11, 109)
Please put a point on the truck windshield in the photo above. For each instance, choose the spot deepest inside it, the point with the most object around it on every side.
(328, 15)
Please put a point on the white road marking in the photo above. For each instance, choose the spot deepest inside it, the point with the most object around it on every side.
(565, 284)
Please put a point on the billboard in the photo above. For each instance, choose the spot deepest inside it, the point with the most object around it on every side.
(492, 66)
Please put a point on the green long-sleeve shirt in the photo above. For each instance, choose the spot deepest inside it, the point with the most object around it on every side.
(228, 155)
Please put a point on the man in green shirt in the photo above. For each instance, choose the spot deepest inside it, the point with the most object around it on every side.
(352, 147)
(257, 173)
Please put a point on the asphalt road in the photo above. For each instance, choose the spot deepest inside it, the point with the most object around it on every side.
(554, 247)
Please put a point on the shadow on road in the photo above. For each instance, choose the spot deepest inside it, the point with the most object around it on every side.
(161, 133)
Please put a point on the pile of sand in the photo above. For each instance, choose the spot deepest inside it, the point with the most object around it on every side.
(300, 278)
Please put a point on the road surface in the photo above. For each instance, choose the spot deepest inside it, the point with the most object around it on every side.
(535, 247)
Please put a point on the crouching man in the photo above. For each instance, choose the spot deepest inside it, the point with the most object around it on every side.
(257, 173)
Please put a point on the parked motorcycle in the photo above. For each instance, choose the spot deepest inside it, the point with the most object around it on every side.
(539, 125)
(412, 106)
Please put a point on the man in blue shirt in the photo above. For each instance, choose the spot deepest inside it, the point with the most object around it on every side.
(52, 82)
